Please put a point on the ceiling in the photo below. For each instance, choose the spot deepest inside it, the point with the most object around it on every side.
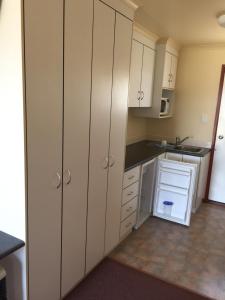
(187, 21)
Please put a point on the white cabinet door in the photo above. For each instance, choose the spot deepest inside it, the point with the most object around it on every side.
(122, 48)
(167, 70)
(175, 191)
(147, 77)
(44, 94)
(103, 41)
(194, 160)
(77, 89)
(173, 71)
(135, 74)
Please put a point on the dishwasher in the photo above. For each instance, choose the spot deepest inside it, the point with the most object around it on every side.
(146, 194)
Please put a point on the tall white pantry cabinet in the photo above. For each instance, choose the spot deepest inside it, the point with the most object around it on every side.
(76, 59)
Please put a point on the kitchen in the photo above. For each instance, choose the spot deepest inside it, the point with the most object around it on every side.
(147, 77)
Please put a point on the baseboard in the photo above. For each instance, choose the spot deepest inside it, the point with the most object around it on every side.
(213, 202)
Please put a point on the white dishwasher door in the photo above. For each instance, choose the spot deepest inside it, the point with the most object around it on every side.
(175, 186)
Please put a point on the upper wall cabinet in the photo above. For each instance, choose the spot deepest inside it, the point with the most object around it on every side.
(170, 70)
(141, 71)
(164, 83)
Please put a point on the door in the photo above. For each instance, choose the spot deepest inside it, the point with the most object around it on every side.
(174, 191)
(173, 71)
(217, 191)
(122, 48)
(194, 160)
(146, 194)
(77, 91)
(135, 74)
(103, 43)
(44, 102)
(147, 77)
(167, 70)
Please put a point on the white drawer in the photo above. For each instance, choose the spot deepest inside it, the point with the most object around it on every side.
(130, 192)
(191, 159)
(127, 225)
(175, 178)
(174, 156)
(129, 208)
(131, 176)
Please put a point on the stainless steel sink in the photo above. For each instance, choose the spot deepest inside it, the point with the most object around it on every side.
(188, 149)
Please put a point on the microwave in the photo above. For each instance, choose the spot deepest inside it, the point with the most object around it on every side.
(165, 106)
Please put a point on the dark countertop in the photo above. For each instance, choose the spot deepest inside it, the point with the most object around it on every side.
(141, 152)
(9, 244)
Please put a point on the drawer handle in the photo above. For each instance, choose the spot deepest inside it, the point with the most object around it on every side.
(129, 208)
(128, 225)
(131, 193)
(131, 177)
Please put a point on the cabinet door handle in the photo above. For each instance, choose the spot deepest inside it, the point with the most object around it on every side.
(139, 95)
(57, 180)
(143, 95)
(220, 137)
(131, 193)
(105, 163)
(131, 177)
(129, 208)
(67, 177)
(111, 161)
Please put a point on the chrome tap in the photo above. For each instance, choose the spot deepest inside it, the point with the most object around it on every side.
(179, 141)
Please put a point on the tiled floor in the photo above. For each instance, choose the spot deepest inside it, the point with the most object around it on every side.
(193, 257)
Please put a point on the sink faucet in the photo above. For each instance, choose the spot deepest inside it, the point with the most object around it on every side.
(179, 141)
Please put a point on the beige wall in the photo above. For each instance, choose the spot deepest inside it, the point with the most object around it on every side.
(136, 128)
(196, 94)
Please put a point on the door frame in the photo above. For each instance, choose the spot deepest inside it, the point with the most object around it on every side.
(216, 121)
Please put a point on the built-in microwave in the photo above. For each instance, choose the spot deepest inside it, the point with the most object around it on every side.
(165, 106)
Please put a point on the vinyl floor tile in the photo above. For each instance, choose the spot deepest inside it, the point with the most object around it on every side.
(193, 257)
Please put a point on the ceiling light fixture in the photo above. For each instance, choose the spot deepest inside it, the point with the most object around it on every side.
(221, 19)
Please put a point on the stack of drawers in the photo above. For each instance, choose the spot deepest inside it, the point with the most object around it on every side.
(129, 201)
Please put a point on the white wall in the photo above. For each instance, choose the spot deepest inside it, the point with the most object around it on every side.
(12, 177)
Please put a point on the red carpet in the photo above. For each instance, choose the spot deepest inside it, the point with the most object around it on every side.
(114, 281)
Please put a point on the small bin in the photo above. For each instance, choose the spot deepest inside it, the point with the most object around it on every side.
(167, 208)
(3, 294)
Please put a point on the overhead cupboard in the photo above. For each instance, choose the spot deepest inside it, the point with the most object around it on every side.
(163, 95)
(76, 76)
(141, 71)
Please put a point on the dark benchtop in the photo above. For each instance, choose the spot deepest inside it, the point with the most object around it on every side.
(9, 244)
(141, 152)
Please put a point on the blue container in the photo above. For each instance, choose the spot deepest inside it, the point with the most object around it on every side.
(167, 208)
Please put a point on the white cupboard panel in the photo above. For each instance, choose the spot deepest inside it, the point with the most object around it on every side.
(122, 48)
(174, 156)
(135, 74)
(131, 176)
(44, 94)
(130, 192)
(147, 77)
(103, 41)
(191, 159)
(77, 89)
